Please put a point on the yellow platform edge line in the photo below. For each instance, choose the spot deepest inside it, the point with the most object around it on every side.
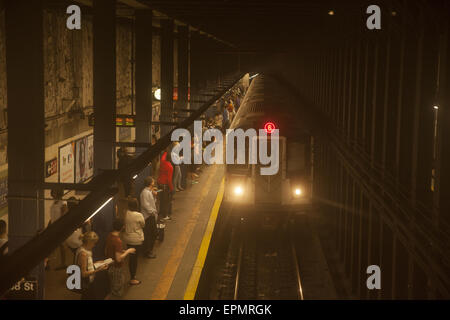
(191, 288)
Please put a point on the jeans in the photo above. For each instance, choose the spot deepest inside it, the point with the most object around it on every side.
(184, 169)
(133, 260)
(177, 177)
(150, 233)
(165, 206)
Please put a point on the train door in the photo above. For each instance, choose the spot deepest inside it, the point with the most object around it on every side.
(268, 188)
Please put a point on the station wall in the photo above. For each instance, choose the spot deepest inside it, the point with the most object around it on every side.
(68, 81)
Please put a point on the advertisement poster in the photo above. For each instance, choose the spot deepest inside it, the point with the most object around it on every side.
(84, 168)
(82, 160)
(67, 163)
(51, 167)
(90, 140)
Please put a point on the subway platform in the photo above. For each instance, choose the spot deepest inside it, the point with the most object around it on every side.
(175, 272)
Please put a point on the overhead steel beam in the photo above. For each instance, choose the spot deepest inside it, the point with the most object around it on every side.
(139, 5)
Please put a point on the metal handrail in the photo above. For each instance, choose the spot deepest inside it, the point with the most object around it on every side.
(238, 271)
(297, 272)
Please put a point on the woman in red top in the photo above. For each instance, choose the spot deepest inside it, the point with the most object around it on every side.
(165, 183)
(114, 250)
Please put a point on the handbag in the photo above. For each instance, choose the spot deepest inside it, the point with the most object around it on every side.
(160, 231)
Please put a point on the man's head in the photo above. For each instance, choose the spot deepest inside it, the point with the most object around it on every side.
(72, 202)
(57, 193)
(149, 181)
(120, 153)
(2, 227)
(118, 224)
(133, 204)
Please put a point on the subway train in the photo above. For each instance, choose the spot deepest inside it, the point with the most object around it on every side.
(268, 106)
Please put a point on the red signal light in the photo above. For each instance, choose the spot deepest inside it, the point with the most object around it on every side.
(269, 127)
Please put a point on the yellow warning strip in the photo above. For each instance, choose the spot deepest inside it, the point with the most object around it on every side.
(170, 270)
(191, 288)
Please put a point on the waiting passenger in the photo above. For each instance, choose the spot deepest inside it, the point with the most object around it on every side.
(225, 119)
(91, 285)
(114, 250)
(165, 183)
(155, 160)
(231, 112)
(193, 167)
(58, 207)
(134, 236)
(57, 210)
(74, 240)
(176, 168)
(148, 209)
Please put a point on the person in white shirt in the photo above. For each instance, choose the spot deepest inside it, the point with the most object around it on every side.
(176, 160)
(57, 210)
(74, 240)
(134, 235)
(148, 210)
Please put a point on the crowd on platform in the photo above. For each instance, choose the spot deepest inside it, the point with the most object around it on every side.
(135, 230)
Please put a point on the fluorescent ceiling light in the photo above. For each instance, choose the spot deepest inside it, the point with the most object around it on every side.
(101, 207)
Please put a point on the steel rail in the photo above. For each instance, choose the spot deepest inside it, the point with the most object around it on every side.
(238, 271)
(297, 270)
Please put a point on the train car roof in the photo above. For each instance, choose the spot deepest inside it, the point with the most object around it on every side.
(267, 100)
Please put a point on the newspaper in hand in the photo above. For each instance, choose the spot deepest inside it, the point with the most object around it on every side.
(100, 264)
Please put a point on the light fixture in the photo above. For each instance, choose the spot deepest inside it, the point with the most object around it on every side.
(238, 191)
(298, 192)
(331, 13)
(157, 94)
(135, 176)
(269, 127)
(436, 107)
(101, 207)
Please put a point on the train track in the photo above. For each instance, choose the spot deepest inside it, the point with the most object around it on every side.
(261, 263)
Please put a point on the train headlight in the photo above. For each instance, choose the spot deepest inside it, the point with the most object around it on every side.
(298, 192)
(238, 191)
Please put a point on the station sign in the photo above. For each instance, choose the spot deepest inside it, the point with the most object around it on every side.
(125, 121)
(122, 120)
(25, 289)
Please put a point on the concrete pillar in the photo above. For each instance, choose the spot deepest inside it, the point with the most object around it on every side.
(195, 74)
(143, 29)
(167, 68)
(104, 105)
(183, 66)
(25, 78)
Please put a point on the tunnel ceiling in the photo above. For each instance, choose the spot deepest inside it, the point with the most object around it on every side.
(270, 25)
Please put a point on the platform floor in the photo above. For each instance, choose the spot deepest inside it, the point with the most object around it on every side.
(171, 273)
